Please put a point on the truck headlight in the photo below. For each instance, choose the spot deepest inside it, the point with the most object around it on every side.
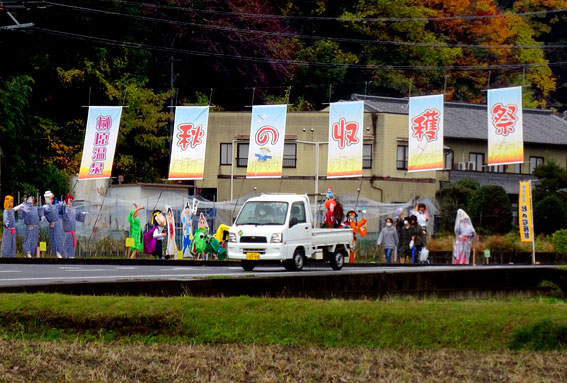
(276, 238)
(231, 237)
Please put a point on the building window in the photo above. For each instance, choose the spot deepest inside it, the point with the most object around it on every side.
(402, 157)
(226, 154)
(290, 155)
(517, 168)
(449, 155)
(476, 162)
(534, 163)
(496, 168)
(242, 155)
(367, 156)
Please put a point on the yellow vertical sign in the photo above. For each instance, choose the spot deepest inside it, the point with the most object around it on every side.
(525, 211)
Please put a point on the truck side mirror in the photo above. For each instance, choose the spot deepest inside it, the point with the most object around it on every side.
(293, 221)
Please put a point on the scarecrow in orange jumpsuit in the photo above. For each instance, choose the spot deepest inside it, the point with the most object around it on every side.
(357, 228)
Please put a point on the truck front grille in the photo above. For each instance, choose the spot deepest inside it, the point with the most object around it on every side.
(253, 239)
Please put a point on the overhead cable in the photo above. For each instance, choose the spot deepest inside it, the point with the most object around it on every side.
(126, 44)
(312, 37)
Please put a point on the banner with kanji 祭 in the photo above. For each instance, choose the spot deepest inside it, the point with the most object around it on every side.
(100, 142)
(505, 126)
(267, 138)
(188, 143)
(525, 211)
(425, 135)
(346, 121)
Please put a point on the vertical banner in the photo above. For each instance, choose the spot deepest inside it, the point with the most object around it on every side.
(505, 126)
(100, 142)
(346, 121)
(425, 136)
(188, 143)
(525, 211)
(267, 136)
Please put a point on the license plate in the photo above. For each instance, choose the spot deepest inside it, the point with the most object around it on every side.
(252, 256)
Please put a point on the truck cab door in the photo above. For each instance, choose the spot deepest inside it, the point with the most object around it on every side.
(299, 232)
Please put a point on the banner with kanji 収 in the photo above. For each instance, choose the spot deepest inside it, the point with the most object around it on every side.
(505, 130)
(188, 143)
(425, 136)
(100, 142)
(267, 138)
(345, 139)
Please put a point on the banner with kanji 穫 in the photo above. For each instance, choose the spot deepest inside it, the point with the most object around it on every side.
(188, 143)
(267, 138)
(100, 142)
(425, 136)
(525, 211)
(346, 120)
(505, 126)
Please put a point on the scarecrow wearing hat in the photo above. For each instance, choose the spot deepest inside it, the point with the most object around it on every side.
(53, 214)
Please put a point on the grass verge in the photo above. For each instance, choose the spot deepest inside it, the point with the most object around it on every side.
(391, 324)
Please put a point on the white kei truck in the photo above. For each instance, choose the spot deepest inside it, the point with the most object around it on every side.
(279, 228)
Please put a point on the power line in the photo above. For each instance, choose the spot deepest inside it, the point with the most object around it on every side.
(311, 37)
(126, 44)
(324, 18)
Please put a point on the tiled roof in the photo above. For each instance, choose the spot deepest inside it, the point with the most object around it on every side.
(508, 181)
(469, 121)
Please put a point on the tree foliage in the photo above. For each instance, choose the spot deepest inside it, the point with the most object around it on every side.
(549, 215)
(490, 210)
(147, 56)
(454, 196)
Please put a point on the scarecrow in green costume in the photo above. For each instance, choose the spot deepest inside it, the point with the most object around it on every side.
(135, 231)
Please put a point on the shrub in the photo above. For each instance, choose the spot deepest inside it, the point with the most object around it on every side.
(544, 335)
(490, 210)
(549, 215)
(560, 241)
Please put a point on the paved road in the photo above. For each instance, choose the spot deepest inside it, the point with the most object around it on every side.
(35, 274)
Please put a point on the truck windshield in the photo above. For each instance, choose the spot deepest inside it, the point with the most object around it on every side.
(263, 213)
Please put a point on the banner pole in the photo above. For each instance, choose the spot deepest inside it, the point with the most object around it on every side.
(532, 222)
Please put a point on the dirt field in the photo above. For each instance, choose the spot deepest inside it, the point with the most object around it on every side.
(24, 361)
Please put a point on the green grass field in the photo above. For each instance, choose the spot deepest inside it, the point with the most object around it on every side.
(535, 324)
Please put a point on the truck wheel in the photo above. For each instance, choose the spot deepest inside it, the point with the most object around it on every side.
(248, 265)
(338, 260)
(296, 263)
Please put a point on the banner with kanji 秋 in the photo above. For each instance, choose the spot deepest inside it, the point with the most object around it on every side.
(100, 142)
(188, 143)
(425, 136)
(505, 131)
(267, 138)
(525, 211)
(346, 120)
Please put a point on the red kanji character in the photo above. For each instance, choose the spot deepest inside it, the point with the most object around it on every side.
(189, 135)
(345, 133)
(101, 138)
(263, 135)
(99, 153)
(96, 168)
(103, 123)
(504, 118)
(426, 124)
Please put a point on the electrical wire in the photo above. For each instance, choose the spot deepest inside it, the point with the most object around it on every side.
(126, 44)
(311, 37)
(324, 18)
